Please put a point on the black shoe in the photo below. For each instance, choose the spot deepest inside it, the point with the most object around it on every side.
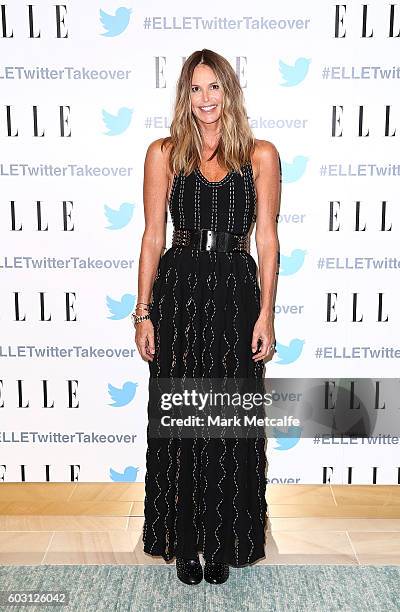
(216, 573)
(189, 571)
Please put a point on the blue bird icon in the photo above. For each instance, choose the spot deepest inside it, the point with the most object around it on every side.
(290, 264)
(287, 439)
(119, 218)
(128, 475)
(290, 353)
(294, 171)
(293, 75)
(120, 310)
(122, 397)
(115, 24)
(119, 123)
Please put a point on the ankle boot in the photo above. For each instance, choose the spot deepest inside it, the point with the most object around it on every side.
(189, 571)
(216, 573)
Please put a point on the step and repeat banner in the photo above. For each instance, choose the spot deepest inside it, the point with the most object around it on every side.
(85, 87)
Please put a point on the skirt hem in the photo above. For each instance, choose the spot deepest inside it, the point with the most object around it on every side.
(257, 556)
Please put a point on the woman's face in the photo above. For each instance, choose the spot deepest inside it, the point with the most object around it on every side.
(206, 94)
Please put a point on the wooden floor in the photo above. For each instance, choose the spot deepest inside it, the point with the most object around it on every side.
(96, 523)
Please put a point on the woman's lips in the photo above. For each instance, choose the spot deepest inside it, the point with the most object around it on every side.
(208, 109)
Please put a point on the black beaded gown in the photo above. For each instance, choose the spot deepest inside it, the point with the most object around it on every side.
(206, 494)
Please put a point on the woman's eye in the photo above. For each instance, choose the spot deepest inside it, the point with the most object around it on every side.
(195, 87)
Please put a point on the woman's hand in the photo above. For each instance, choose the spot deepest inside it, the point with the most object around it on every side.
(144, 339)
(264, 331)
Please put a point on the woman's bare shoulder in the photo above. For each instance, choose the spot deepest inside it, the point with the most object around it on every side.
(264, 151)
(264, 148)
(159, 155)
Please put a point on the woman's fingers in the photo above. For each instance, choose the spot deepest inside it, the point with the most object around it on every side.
(261, 353)
(254, 343)
(265, 347)
(150, 348)
(141, 344)
(145, 341)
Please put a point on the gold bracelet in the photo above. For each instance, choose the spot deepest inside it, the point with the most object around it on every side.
(144, 305)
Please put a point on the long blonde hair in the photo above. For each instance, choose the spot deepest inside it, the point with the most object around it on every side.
(236, 142)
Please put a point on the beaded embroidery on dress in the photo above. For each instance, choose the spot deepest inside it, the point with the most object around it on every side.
(206, 494)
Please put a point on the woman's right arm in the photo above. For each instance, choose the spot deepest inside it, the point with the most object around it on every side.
(155, 186)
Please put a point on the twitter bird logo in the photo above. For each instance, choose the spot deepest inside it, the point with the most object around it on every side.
(117, 124)
(293, 172)
(128, 475)
(287, 439)
(290, 264)
(120, 310)
(293, 75)
(288, 354)
(115, 24)
(122, 397)
(119, 218)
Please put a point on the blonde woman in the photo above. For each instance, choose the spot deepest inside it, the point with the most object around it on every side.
(202, 313)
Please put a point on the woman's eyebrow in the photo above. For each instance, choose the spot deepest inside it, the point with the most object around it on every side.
(213, 83)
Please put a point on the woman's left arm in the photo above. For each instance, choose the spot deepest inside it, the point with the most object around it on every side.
(268, 187)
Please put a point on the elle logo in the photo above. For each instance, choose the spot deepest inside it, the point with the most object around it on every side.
(34, 28)
(364, 21)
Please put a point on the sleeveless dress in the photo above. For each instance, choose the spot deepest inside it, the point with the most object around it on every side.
(206, 494)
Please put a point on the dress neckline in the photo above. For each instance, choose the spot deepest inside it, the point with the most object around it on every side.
(224, 180)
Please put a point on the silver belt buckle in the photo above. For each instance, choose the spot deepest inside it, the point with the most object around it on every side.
(206, 240)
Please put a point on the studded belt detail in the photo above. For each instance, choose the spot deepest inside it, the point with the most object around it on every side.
(210, 240)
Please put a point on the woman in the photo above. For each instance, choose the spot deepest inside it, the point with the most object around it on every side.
(207, 317)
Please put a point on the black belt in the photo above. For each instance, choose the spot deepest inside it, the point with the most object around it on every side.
(210, 240)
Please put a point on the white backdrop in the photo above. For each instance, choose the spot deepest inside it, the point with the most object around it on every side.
(82, 96)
